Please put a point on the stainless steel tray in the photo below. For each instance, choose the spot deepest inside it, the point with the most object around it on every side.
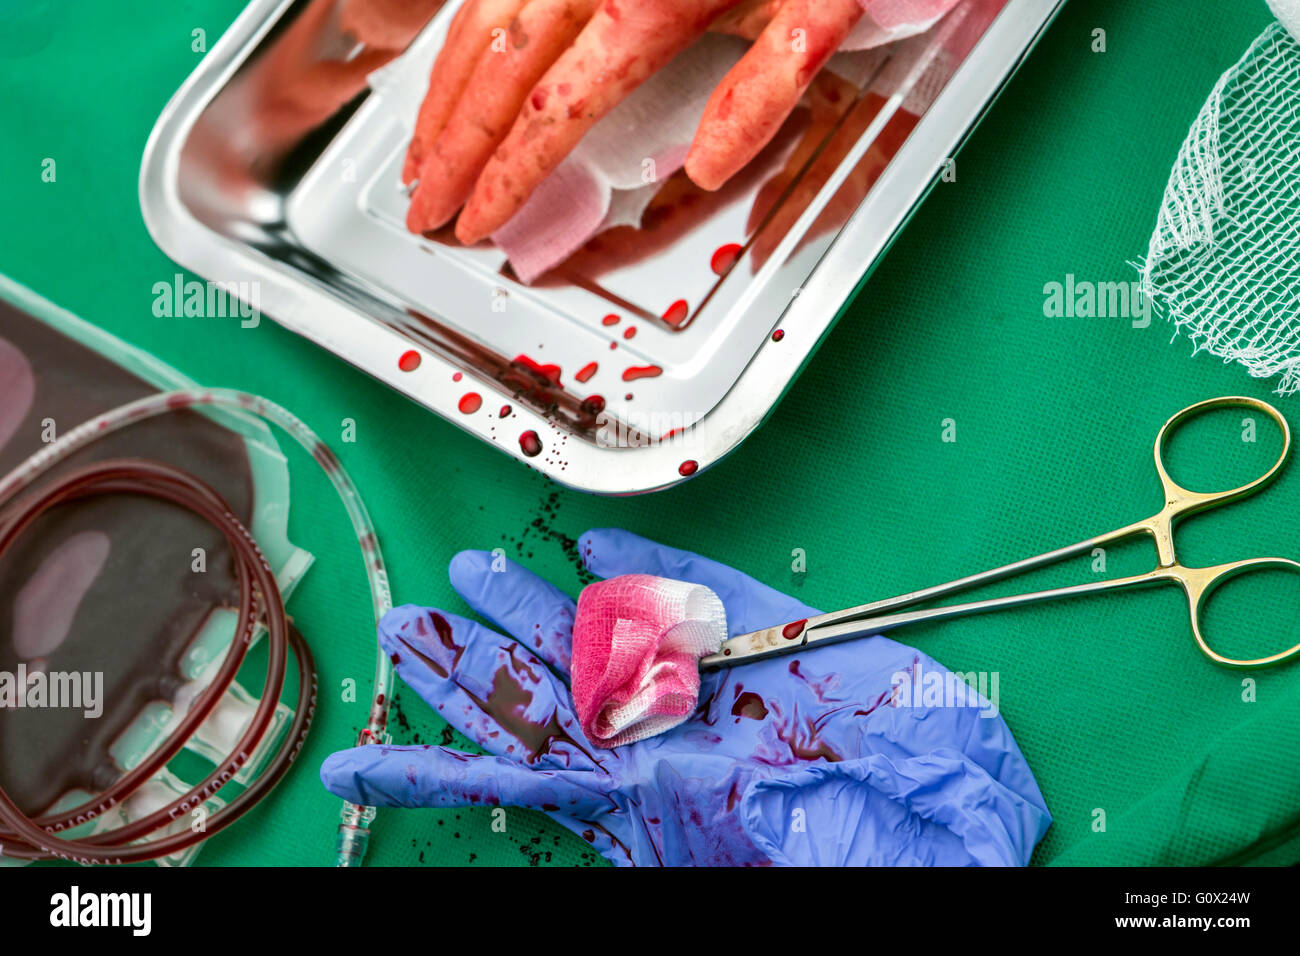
(305, 202)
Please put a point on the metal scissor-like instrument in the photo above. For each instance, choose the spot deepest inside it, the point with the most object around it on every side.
(1196, 583)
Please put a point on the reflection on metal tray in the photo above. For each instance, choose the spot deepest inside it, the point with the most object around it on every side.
(266, 167)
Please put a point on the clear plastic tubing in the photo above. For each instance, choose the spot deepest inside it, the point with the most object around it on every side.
(354, 825)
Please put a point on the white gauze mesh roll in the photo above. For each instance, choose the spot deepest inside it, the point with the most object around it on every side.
(1224, 261)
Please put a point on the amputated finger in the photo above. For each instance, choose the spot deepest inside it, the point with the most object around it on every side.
(623, 45)
(492, 97)
(470, 33)
(754, 99)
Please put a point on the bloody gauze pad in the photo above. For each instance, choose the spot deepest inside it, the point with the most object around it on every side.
(637, 642)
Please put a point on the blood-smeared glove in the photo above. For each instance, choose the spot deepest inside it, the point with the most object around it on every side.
(812, 759)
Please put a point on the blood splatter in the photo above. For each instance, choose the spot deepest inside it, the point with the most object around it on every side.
(409, 361)
(530, 443)
(505, 411)
(724, 258)
(820, 686)
(793, 629)
(778, 335)
(677, 313)
(509, 702)
(688, 467)
(641, 371)
(749, 705)
(470, 402)
(442, 661)
(610, 319)
(549, 373)
(629, 332)
(795, 739)
(804, 742)
(585, 373)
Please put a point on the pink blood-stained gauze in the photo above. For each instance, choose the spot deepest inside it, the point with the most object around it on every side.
(637, 643)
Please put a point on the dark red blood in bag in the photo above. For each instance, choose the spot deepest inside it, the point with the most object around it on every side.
(144, 606)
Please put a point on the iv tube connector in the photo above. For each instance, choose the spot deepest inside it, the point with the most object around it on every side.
(353, 835)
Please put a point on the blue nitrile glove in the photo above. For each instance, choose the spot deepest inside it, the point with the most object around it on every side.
(800, 759)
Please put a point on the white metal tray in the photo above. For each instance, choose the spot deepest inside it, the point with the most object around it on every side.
(315, 215)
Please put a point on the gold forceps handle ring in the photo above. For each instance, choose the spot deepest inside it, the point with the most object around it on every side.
(1180, 501)
(1199, 583)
